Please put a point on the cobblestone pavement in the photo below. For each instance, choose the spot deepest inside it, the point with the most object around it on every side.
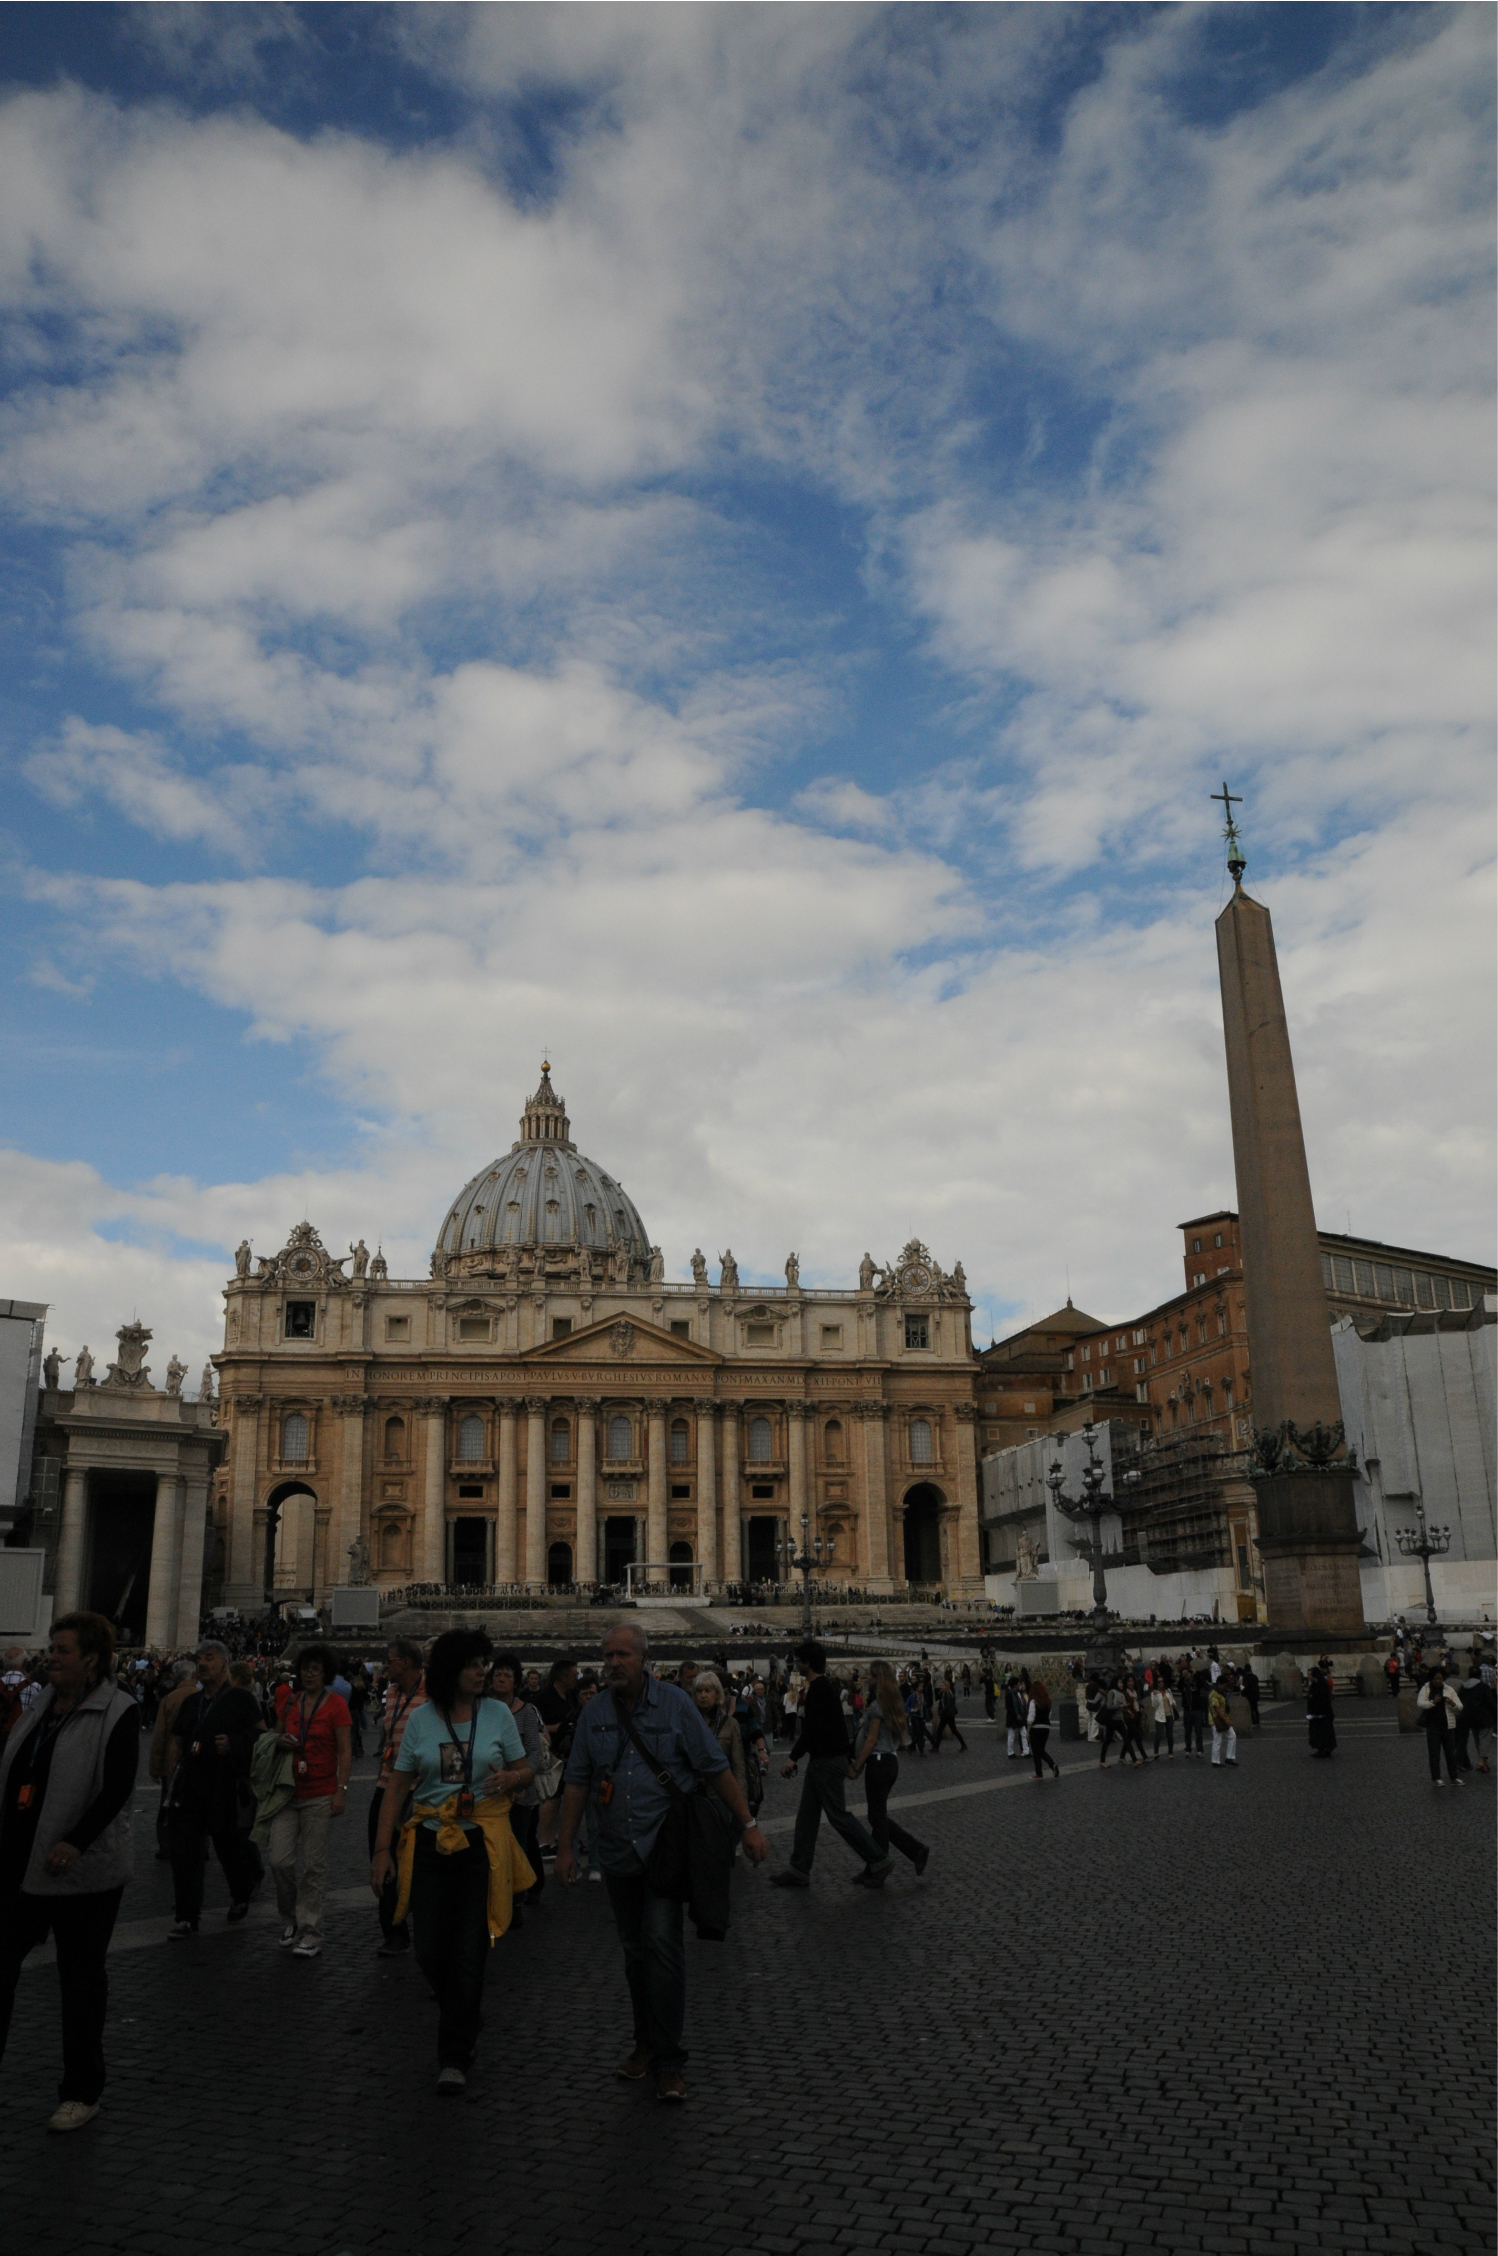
(1132, 2014)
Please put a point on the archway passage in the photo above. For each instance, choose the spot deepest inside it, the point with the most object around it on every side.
(559, 1565)
(762, 1562)
(923, 1507)
(681, 1566)
(301, 1575)
(470, 1567)
(121, 1521)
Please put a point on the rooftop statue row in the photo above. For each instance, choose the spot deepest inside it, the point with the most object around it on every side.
(130, 1370)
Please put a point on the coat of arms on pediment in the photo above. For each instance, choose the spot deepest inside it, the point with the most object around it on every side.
(304, 1260)
(130, 1368)
(622, 1339)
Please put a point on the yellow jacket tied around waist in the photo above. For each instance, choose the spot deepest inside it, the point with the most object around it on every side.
(509, 1873)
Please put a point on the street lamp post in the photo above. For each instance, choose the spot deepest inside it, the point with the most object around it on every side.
(813, 1553)
(1425, 1543)
(1103, 1650)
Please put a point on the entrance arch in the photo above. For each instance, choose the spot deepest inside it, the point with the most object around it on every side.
(559, 1566)
(923, 1509)
(290, 1540)
(681, 1566)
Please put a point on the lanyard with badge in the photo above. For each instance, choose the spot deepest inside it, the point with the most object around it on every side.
(305, 1722)
(465, 1791)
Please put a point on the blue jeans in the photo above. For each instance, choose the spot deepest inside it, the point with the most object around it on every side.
(824, 1788)
(655, 1967)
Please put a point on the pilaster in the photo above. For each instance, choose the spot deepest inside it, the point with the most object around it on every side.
(536, 1406)
(73, 1540)
(585, 1549)
(733, 1491)
(434, 1490)
(506, 1523)
(706, 1410)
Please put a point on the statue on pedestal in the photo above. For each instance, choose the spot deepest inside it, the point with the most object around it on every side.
(728, 1272)
(176, 1372)
(699, 1267)
(83, 1374)
(205, 1384)
(360, 1256)
(866, 1273)
(358, 1563)
(792, 1273)
(51, 1368)
(657, 1265)
(242, 1258)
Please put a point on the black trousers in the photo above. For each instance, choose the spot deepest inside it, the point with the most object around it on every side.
(81, 1927)
(1039, 1734)
(450, 1934)
(879, 1775)
(944, 1724)
(187, 1830)
(393, 1931)
(1439, 1742)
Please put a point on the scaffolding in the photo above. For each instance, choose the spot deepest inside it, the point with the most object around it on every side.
(1177, 1515)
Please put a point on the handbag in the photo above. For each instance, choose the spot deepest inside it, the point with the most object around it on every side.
(548, 1770)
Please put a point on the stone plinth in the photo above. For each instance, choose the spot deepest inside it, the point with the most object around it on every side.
(1309, 1541)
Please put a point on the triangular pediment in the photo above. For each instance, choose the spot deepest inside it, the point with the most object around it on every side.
(606, 1342)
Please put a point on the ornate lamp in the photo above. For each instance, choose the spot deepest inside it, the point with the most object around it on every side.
(813, 1553)
(1425, 1543)
(1103, 1651)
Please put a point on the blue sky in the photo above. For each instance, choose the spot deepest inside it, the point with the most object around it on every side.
(734, 545)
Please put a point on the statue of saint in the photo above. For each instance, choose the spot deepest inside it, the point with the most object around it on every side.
(657, 1265)
(621, 1265)
(699, 1267)
(83, 1372)
(792, 1272)
(728, 1272)
(439, 1263)
(1024, 1555)
(176, 1372)
(360, 1254)
(379, 1268)
(205, 1384)
(584, 1266)
(242, 1258)
(51, 1367)
(866, 1273)
(358, 1563)
(959, 1276)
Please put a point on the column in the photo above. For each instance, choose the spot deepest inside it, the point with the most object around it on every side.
(506, 1529)
(71, 1541)
(969, 1560)
(656, 1540)
(535, 1491)
(166, 1543)
(190, 1571)
(585, 1549)
(872, 1416)
(795, 1443)
(245, 1585)
(707, 1487)
(733, 1488)
(434, 1503)
(350, 1519)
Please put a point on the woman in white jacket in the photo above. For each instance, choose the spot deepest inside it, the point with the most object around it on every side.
(1438, 1705)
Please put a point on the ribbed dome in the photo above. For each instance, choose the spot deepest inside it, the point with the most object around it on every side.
(543, 1193)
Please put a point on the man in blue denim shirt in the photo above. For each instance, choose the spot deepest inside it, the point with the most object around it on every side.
(629, 1808)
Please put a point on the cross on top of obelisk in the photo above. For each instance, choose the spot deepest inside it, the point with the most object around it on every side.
(1237, 859)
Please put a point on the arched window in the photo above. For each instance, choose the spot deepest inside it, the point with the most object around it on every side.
(681, 1441)
(561, 1441)
(921, 1452)
(761, 1441)
(295, 1434)
(621, 1437)
(832, 1441)
(471, 1439)
(395, 1440)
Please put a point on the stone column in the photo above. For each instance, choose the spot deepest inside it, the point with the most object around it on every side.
(72, 1540)
(166, 1544)
(506, 1525)
(795, 1444)
(350, 1517)
(585, 1549)
(707, 1487)
(968, 1563)
(878, 1576)
(190, 1572)
(535, 1491)
(245, 1586)
(656, 1539)
(733, 1492)
(434, 1501)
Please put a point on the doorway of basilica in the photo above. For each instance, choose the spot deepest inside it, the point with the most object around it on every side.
(923, 1507)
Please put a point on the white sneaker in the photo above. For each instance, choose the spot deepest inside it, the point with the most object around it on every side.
(595, 1874)
(307, 1948)
(72, 2115)
(288, 1937)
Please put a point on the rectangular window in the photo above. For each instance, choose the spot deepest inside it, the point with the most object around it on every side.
(681, 1327)
(1363, 1272)
(470, 1488)
(1326, 1271)
(1139, 1339)
(1087, 1382)
(301, 1319)
(1105, 1377)
(1443, 1291)
(759, 1335)
(917, 1331)
(1404, 1287)
(1342, 1272)
(397, 1327)
(1460, 1297)
(560, 1326)
(1087, 1355)
(1029, 1409)
(681, 1488)
(1424, 1292)
(473, 1327)
(832, 1336)
(1141, 1393)
(561, 1490)
(1383, 1278)
(1138, 1365)
(1222, 1327)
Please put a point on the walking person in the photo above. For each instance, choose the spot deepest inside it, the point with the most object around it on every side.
(1111, 1719)
(212, 1735)
(946, 1717)
(67, 1778)
(1194, 1707)
(823, 1740)
(405, 1692)
(1320, 1720)
(557, 1705)
(458, 1864)
(877, 1757)
(638, 1745)
(1038, 1723)
(1163, 1703)
(507, 1683)
(1015, 1710)
(1133, 1723)
(1220, 1715)
(1476, 1718)
(184, 1682)
(915, 1719)
(315, 1732)
(1438, 1705)
(1250, 1687)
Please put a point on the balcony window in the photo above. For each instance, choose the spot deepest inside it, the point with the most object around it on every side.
(295, 1435)
(621, 1442)
(681, 1441)
(561, 1441)
(761, 1442)
(917, 1331)
(471, 1440)
(921, 1451)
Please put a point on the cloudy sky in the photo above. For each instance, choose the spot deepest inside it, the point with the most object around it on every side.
(732, 545)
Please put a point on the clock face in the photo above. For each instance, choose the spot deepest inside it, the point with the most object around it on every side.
(915, 1277)
(302, 1265)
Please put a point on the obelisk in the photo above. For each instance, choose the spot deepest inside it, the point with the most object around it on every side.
(1303, 1487)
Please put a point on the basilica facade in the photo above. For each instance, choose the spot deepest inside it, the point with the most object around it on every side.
(545, 1410)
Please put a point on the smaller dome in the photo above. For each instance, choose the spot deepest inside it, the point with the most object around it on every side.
(544, 1192)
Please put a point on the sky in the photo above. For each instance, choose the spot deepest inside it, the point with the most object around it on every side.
(731, 547)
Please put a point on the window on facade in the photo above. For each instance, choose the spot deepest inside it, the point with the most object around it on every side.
(561, 1441)
(1460, 1294)
(561, 1326)
(1218, 1239)
(761, 1441)
(1105, 1377)
(1201, 1332)
(1087, 1355)
(301, 1319)
(832, 1441)
(471, 1439)
(397, 1327)
(621, 1442)
(1363, 1272)
(832, 1335)
(395, 1439)
(1342, 1272)
(681, 1441)
(1087, 1382)
(295, 1434)
(681, 1327)
(917, 1331)
(1196, 1245)
(759, 1335)
(1222, 1324)
(921, 1452)
(473, 1327)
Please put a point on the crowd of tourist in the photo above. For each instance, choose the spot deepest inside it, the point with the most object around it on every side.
(644, 1780)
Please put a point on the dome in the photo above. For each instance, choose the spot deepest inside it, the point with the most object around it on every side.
(543, 1193)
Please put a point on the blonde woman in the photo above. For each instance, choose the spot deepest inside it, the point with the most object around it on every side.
(708, 1693)
(885, 1732)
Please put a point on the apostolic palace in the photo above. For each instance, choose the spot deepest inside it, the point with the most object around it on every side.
(546, 1409)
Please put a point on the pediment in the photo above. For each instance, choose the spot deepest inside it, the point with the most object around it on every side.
(606, 1342)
